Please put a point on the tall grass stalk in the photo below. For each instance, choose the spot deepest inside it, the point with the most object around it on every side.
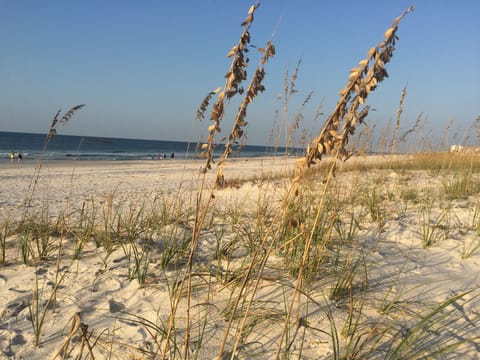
(85, 230)
(469, 247)
(138, 257)
(288, 91)
(417, 342)
(4, 232)
(432, 227)
(38, 307)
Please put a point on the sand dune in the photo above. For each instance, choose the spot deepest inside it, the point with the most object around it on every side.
(98, 289)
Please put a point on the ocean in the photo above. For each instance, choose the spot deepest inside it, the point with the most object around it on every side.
(68, 147)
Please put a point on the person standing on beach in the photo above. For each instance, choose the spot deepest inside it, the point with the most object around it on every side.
(12, 156)
(20, 157)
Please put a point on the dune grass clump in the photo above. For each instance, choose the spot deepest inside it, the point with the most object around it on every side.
(334, 137)
(461, 186)
(235, 76)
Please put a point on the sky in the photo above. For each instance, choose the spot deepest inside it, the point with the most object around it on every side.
(142, 67)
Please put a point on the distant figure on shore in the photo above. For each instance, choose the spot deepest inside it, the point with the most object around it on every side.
(12, 156)
(172, 156)
(20, 157)
(164, 156)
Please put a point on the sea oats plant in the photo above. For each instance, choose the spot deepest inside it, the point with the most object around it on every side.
(340, 125)
(233, 86)
(362, 81)
(240, 122)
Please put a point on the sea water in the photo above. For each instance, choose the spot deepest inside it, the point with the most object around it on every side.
(67, 147)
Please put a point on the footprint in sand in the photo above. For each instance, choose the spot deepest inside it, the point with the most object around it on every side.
(15, 307)
(11, 342)
(115, 306)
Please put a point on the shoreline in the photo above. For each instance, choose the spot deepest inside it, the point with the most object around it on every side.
(64, 162)
(77, 181)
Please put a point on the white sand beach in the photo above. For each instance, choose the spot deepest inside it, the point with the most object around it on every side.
(66, 182)
(92, 304)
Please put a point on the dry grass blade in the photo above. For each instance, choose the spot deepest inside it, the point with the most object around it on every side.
(288, 91)
(294, 77)
(411, 130)
(394, 141)
(298, 119)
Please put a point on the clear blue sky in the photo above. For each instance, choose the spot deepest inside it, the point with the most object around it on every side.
(143, 67)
